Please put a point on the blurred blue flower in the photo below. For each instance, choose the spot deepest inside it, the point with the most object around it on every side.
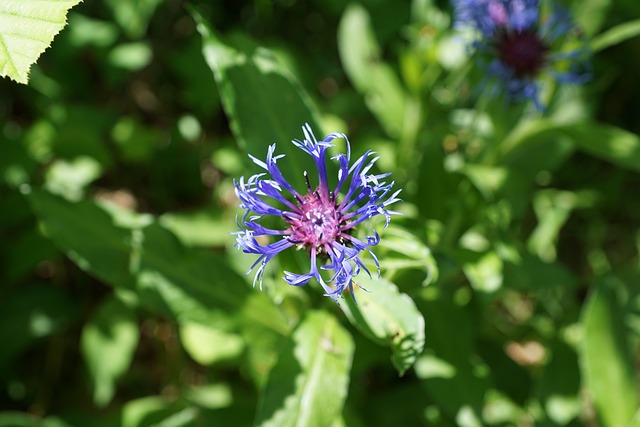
(521, 46)
(321, 220)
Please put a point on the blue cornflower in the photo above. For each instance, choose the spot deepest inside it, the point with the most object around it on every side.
(519, 45)
(321, 220)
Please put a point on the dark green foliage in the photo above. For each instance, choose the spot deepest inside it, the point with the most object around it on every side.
(510, 286)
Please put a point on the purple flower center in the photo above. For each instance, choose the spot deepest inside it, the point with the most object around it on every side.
(318, 224)
(523, 51)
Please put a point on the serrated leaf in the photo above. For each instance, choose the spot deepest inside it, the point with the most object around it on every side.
(308, 385)
(108, 342)
(27, 28)
(264, 102)
(388, 317)
(606, 360)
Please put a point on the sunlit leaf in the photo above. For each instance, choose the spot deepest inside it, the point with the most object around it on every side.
(610, 143)
(87, 234)
(108, 343)
(157, 411)
(606, 360)
(208, 344)
(362, 61)
(308, 385)
(407, 252)
(133, 16)
(27, 28)
(388, 317)
(616, 35)
(187, 284)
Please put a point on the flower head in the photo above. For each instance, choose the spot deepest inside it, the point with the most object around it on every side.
(320, 220)
(520, 45)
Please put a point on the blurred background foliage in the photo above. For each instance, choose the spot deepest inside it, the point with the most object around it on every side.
(510, 290)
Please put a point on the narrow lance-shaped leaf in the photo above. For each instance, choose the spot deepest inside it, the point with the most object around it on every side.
(308, 385)
(27, 28)
(610, 143)
(616, 35)
(264, 102)
(361, 58)
(606, 361)
(388, 317)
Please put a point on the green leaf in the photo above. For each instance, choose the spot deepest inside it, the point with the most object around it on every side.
(560, 384)
(606, 360)
(361, 59)
(21, 419)
(108, 343)
(187, 284)
(87, 234)
(552, 208)
(202, 227)
(450, 369)
(389, 318)
(591, 15)
(618, 146)
(190, 284)
(156, 411)
(485, 271)
(609, 143)
(308, 385)
(207, 344)
(30, 313)
(264, 102)
(133, 16)
(616, 35)
(408, 252)
(27, 28)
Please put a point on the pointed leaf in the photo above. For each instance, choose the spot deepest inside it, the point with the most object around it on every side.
(618, 146)
(27, 28)
(264, 102)
(616, 35)
(388, 317)
(606, 360)
(308, 385)
(87, 234)
(361, 58)
(187, 284)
